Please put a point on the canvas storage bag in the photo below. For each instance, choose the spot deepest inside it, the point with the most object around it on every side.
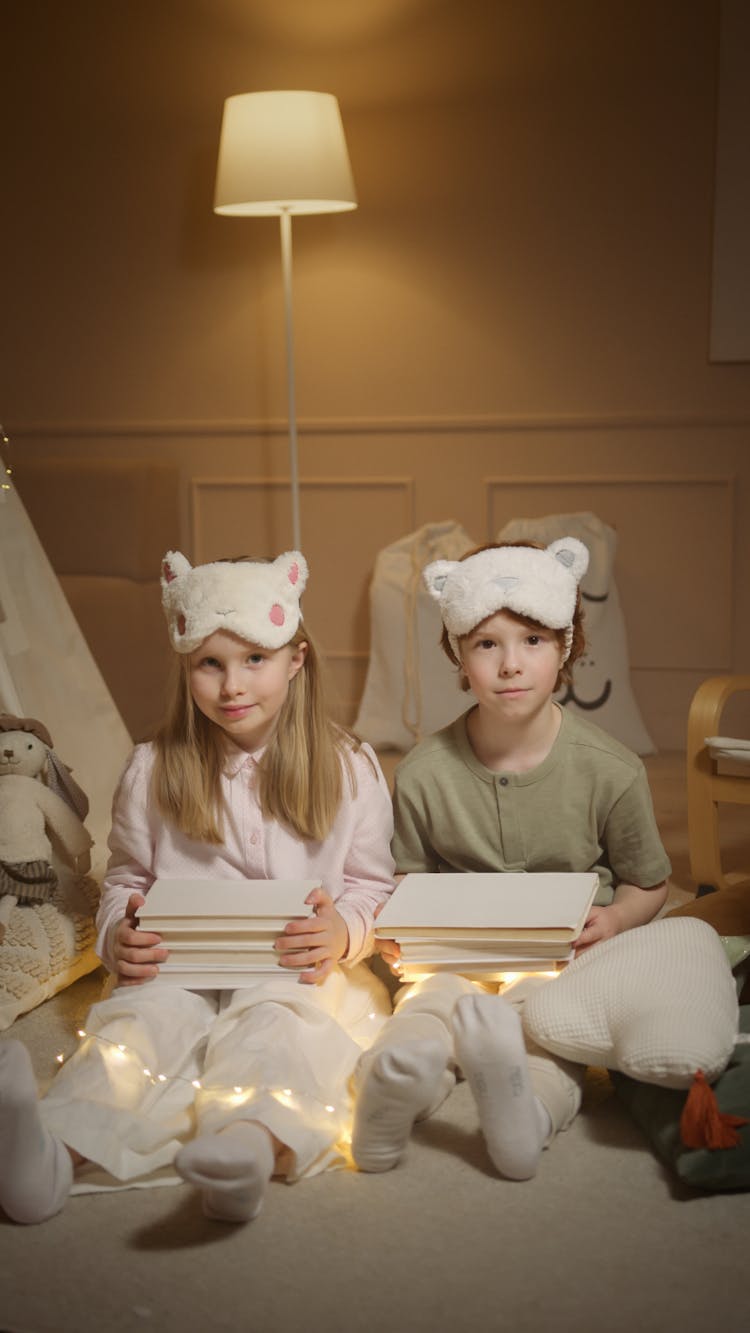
(411, 688)
(601, 689)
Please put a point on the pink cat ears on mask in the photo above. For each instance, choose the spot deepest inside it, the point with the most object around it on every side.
(256, 600)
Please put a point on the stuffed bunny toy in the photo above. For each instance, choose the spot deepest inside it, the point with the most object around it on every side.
(41, 813)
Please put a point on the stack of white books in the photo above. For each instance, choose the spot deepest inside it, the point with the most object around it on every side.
(487, 924)
(221, 932)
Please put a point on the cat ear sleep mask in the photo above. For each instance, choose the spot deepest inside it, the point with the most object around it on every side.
(542, 585)
(256, 600)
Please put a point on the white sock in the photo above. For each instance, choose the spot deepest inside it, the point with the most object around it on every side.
(491, 1051)
(231, 1169)
(397, 1085)
(36, 1169)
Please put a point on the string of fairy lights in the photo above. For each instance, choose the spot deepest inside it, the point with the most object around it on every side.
(236, 1094)
(6, 471)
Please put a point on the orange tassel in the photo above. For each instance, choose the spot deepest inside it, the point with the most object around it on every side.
(702, 1124)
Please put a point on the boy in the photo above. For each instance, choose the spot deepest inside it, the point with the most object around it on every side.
(516, 783)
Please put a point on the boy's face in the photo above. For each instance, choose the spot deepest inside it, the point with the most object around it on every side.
(511, 667)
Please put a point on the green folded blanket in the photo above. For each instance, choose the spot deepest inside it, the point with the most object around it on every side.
(657, 1111)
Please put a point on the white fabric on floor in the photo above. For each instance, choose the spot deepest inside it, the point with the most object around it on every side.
(290, 1049)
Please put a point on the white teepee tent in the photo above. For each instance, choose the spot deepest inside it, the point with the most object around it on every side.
(47, 670)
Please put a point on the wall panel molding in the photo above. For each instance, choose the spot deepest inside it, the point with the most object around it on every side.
(236, 515)
(275, 491)
(413, 425)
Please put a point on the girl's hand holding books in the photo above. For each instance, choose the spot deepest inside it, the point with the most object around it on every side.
(315, 944)
(138, 952)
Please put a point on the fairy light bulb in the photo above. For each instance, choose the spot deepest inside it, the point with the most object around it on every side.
(7, 471)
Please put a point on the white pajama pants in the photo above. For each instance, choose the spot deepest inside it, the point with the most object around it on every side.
(277, 1052)
(424, 1010)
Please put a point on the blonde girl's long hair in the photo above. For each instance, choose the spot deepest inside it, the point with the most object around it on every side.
(300, 775)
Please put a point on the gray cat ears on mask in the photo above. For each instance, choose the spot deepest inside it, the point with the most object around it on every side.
(540, 584)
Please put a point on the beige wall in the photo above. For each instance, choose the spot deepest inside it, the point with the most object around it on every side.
(514, 321)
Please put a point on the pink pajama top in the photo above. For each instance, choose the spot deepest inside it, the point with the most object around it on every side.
(353, 863)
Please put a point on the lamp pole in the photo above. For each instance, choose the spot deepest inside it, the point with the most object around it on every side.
(285, 221)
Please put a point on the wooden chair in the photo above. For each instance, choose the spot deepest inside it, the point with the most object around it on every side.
(707, 786)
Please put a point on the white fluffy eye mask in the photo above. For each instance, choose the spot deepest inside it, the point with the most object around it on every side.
(542, 585)
(255, 600)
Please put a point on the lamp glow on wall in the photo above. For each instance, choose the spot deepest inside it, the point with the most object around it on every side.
(282, 153)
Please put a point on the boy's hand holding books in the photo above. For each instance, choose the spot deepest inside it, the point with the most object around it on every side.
(631, 906)
(603, 923)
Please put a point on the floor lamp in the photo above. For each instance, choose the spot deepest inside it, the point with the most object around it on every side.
(282, 153)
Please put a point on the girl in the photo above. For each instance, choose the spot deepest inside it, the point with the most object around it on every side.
(517, 783)
(247, 779)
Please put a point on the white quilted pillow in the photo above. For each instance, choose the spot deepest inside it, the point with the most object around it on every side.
(658, 1003)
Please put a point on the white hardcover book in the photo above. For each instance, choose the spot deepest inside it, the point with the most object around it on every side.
(190, 937)
(204, 953)
(519, 906)
(209, 978)
(225, 904)
(491, 970)
(417, 948)
(486, 950)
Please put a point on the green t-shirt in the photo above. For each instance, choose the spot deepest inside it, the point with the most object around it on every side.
(587, 806)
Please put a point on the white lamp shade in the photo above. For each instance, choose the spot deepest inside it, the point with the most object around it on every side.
(283, 151)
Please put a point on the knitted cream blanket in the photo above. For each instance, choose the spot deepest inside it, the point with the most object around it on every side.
(45, 946)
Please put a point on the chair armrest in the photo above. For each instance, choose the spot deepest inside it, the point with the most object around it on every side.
(707, 707)
(704, 786)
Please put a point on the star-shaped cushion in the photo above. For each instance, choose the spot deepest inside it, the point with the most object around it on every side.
(657, 1002)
